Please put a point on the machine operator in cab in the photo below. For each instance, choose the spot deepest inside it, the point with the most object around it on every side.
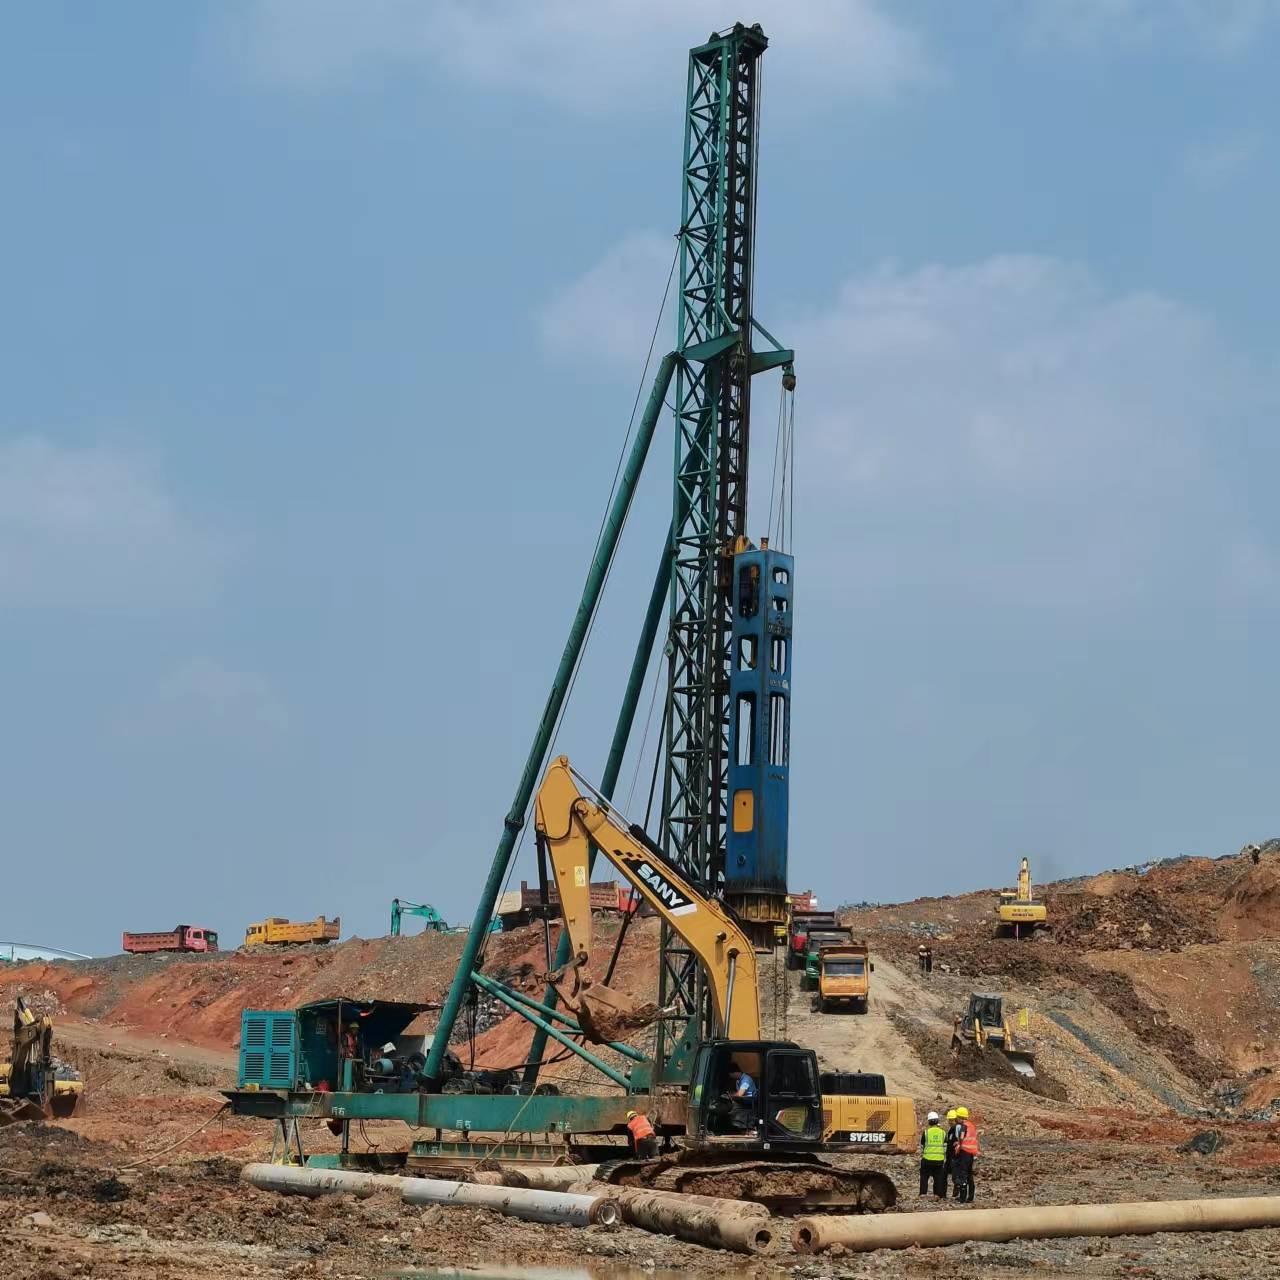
(742, 1095)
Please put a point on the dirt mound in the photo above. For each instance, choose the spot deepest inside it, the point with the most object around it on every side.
(971, 1065)
(1227, 996)
(1050, 966)
(1252, 910)
(1135, 915)
(34, 1140)
(198, 999)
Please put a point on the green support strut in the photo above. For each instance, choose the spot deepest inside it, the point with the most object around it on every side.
(613, 765)
(533, 766)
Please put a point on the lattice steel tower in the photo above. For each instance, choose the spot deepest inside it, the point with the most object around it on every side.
(713, 412)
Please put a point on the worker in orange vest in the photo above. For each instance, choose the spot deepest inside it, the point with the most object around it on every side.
(644, 1142)
(966, 1153)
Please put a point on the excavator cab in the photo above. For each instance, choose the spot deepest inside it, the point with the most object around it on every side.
(784, 1111)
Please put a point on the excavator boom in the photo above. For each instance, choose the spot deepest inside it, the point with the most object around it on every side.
(568, 822)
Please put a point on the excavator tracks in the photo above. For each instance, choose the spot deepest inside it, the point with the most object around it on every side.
(801, 1184)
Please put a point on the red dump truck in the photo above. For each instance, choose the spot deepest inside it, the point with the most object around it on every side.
(801, 924)
(523, 905)
(186, 937)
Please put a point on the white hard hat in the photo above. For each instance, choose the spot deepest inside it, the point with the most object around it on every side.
(933, 1115)
(389, 1047)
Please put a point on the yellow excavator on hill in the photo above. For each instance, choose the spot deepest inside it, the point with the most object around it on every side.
(33, 1084)
(1018, 913)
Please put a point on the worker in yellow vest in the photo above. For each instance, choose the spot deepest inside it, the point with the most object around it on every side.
(966, 1154)
(644, 1141)
(933, 1157)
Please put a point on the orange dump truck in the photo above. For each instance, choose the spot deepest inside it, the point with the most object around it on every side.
(844, 976)
(279, 932)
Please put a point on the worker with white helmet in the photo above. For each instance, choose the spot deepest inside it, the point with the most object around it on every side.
(933, 1157)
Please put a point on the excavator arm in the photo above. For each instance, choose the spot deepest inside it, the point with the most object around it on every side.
(567, 824)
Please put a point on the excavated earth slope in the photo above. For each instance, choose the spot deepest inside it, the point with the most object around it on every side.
(1154, 1012)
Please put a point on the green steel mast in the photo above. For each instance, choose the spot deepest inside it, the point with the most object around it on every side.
(711, 370)
(712, 413)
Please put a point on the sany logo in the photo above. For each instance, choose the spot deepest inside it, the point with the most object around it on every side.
(676, 903)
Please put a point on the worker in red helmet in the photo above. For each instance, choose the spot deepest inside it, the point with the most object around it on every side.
(644, 1141)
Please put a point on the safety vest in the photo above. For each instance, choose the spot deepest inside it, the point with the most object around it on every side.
(969, 1138)
(640, 1128)
(935, 1144)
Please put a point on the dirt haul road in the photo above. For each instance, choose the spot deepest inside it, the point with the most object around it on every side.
(870, 1041)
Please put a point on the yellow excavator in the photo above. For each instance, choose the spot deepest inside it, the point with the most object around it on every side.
(1018, 913)
(771, 1134)
(33, 1084)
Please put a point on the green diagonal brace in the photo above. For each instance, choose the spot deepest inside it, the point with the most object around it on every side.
(501, 993)
(536, 759)
(617, 750)
(555, 1015)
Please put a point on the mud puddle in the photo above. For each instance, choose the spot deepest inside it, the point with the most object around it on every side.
(596, 1271)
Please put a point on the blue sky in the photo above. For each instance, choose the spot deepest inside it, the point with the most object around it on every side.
(322, 325)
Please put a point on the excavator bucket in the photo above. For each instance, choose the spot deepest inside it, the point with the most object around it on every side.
(605, 1014)
(13, 1110)
(65, 1097)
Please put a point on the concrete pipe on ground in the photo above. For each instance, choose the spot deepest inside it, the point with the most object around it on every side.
(550, 1177)
(532, 1206)
(722, 1224)
(295, 1180)
(901, 1231)
(517, 1202)
(731, 1208)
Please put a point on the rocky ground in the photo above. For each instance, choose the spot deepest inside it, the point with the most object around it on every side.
(1154, 1011)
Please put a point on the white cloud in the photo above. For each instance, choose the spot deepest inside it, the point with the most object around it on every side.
(1220, 27)
(1214, 162)
(1010, 425)
(205, 688)
(95, 527)
(596, 54)
(1014, 426)
(610, 311)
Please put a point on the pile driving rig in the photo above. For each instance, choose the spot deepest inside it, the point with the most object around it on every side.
(722, 838)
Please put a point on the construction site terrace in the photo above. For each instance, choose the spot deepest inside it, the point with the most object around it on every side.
(658, 1055)
(1154, 1005)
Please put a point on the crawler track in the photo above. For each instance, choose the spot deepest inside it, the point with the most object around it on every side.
(791, 1184)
